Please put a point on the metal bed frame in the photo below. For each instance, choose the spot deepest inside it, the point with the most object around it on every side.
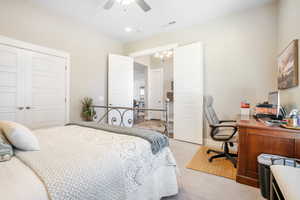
(123, 110)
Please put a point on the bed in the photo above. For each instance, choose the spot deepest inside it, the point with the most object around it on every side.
(83, 163)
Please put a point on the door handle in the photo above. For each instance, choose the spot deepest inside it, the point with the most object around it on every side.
(20, 108)
(28, 107)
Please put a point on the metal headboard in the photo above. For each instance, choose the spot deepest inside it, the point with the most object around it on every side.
(123, 110)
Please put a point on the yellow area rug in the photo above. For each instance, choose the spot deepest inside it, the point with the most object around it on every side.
(218, 167)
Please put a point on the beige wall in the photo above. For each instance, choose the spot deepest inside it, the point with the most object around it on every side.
(289, 29)
(240, 56)
(88, 48)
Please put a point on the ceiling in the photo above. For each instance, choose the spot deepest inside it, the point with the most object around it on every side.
(113, 22)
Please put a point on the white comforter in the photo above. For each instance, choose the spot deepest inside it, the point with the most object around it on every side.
(86, 164)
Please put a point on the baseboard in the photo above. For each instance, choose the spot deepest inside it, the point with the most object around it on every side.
(214, 144)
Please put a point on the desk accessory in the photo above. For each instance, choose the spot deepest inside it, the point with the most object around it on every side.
(245, 108)
(290, 127)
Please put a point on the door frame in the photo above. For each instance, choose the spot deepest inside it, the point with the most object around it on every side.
(44, 50)
(161, 70)
(150, 51)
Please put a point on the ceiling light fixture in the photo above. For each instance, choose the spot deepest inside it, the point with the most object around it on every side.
(128, 29)
(125, 2)
(164, 55)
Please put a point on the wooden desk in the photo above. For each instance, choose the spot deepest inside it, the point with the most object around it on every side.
(255, 138)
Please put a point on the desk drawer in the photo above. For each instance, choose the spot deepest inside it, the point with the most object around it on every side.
(252, 143)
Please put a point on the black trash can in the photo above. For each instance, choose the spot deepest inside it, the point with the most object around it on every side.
(264, 163)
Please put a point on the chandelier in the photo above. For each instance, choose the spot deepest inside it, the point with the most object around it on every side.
(163, 55)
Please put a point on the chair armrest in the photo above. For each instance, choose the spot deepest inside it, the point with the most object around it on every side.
(225, 121)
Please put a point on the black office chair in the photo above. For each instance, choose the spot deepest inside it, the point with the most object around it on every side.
(217, 126)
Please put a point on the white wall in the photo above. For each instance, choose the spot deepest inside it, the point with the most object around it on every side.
(289, 29)
(240, 55)
(88, 48)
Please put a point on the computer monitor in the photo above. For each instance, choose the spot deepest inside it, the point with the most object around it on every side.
(274, 99)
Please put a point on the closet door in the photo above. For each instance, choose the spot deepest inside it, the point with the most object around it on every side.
(45, 98)
(11, 84)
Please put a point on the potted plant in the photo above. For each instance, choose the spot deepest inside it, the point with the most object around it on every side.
(88, 112)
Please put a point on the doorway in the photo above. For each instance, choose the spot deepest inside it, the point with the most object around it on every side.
(182, 86)
(158, 87)
(140, 90)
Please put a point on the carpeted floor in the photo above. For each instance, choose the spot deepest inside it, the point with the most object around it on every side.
(195, 185)
(156, 125)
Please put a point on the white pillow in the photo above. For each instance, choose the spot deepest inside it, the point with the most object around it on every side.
(19, 136)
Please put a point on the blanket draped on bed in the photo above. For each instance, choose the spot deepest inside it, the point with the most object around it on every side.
(157, 140)
(78, 163)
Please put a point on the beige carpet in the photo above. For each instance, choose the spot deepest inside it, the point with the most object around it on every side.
(155, 125)
(197, 185)
(219, 166)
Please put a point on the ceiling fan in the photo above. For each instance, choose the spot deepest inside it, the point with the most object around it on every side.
(109, 4)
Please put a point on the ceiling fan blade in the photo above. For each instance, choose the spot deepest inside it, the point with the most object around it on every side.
(109, 4)
(143, 5)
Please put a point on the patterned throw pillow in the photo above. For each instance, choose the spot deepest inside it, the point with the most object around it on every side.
(6, 150)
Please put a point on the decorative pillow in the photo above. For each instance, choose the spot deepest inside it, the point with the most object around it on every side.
(6, 150)
(19, 136)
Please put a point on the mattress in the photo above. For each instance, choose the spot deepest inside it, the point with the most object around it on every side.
(82, 163)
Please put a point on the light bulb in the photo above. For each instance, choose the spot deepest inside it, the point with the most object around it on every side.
(156, 55)
(125, 2)
(128, 29)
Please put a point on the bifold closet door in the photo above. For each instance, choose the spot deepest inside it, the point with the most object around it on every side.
(188, 93)
(45, 97)
(11, 84)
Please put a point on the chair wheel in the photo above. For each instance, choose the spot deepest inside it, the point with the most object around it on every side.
(208, 151)
(210, 160)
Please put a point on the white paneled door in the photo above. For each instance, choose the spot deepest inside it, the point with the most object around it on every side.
(156, 90)
(188, 93)
(120, 88)
(11, 84)
(45, 98)
(32, 88)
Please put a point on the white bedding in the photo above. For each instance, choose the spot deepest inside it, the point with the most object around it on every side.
(83, 163)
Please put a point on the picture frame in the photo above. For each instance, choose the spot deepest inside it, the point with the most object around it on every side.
(288, 72)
